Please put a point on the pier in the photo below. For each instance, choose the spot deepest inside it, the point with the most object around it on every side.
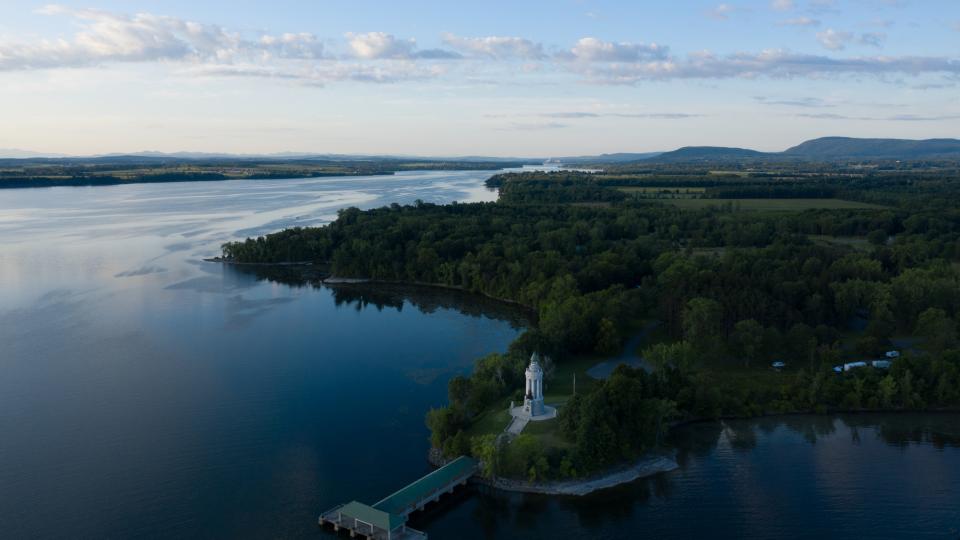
(387, 519)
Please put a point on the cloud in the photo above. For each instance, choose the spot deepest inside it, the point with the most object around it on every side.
(894, 118)
(533, 126)
(800, 21)
(836, 40)
(590, 49)
(384, 46)
(143, 37)
(774, 63)
(379, 57)
(873, 39)
(654, 116)
(782, 5)
(496, 47)
(833, 39)
(379, 45)
(328, 72)
(721, 12)
(811, 102)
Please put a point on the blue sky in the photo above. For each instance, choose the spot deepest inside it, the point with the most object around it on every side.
(530, 78)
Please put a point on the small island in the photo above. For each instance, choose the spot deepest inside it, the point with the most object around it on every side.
(671, 293)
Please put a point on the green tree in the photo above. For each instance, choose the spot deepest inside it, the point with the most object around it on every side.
(701, 322)
(938, 330)
(886, 390)
(608, 339)
(748, 340)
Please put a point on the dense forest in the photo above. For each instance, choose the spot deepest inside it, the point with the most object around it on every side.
(731, 291)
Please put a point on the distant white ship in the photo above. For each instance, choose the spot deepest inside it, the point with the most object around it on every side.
(550, 162)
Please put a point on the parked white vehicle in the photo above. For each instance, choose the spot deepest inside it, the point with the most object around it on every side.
(893, 354)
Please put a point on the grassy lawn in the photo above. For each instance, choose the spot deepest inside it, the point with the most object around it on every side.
(560, 387)
(492, 422)
(548, 433)
(772, 205)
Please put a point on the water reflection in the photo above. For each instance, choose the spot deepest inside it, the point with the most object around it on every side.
(382, 296)
(869, 475)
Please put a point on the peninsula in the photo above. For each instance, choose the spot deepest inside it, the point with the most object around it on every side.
(739, 287)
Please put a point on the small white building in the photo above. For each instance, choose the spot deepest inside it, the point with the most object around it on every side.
(533, 408)
(533, 394)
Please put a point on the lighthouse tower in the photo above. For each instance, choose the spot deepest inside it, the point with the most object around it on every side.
(533, 394)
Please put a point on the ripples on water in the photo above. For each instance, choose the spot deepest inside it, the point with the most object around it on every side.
(144, 392)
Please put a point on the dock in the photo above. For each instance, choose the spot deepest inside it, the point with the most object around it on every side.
(387, 519)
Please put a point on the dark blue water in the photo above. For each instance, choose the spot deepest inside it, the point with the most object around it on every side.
(146, 393)
(864, 476)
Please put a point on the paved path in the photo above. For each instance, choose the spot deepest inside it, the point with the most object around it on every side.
(516, 425)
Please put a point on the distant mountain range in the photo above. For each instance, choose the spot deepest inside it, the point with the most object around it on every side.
(826, 149)
(823, 149)
(16, 153)
(606, 158)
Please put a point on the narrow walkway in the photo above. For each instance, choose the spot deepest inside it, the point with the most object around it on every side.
(517, 424)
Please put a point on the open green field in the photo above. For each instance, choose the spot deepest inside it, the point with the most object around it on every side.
(773, 205)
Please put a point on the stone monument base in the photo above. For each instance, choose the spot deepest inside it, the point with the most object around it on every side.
(549, 413)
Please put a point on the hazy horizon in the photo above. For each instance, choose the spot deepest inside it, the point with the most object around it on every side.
(579, 77)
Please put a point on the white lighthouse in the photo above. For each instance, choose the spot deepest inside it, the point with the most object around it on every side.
(533, 394)
(533, 409)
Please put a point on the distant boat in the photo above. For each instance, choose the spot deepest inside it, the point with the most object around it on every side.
(778, 365)
(893, 354)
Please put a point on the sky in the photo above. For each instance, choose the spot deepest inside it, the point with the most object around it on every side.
(496, 78)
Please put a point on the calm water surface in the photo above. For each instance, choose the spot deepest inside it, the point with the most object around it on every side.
(146, 393)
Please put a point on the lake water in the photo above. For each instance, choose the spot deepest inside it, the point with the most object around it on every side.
(144, 392)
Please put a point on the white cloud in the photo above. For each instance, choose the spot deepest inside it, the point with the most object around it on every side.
(379, 45)
(894, 118)
(721, 12)
(800, 21)
(834, 40)
(774, 63)
(103, 38)
(782, 5)
(327, 72)
(496, 47)
(590, 49)
(143, 37)
(652, 115)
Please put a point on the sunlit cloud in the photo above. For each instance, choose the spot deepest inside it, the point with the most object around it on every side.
(496, 47)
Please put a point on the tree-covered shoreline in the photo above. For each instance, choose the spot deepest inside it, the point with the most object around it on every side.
(733, 291)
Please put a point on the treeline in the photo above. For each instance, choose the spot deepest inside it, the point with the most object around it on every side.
(731, 289)
(113, 170)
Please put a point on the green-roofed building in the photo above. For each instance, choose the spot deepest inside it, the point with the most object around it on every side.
(386, 520)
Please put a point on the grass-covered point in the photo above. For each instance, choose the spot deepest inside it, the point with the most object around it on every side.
(732, 291)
